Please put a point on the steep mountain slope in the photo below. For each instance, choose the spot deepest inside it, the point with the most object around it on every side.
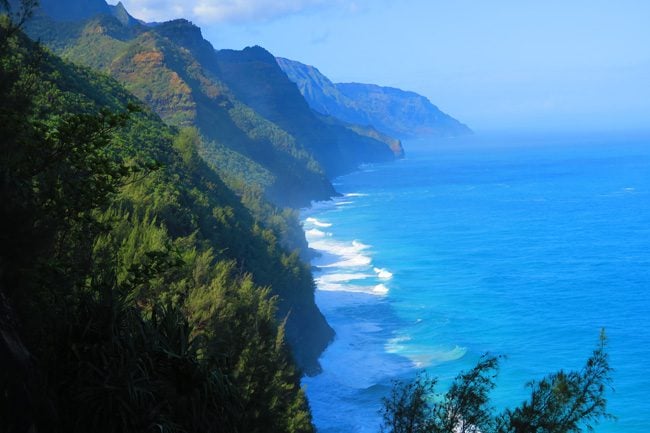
(257, 80)
(394, 144)
(247, 150)
(298, 176)
(320, 93)
(174, 70)
(255, 129)
(122, 15)
(137, 292)
(392, 111)
(401, 113)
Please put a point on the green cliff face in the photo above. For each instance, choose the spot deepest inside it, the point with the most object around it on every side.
(174, 70)
(179, 80)
(257, 80)
(392, 111)
(137, 292)
(253, 127)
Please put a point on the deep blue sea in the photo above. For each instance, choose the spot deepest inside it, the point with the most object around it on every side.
(513, 245)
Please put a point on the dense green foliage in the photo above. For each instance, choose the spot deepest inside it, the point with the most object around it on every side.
(173, 70)
(137, 293)
(559, 403)
(261, 155)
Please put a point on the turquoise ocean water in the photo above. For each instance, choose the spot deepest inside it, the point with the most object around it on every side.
(519, 246)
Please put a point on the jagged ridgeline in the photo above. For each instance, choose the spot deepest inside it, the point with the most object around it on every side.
(137, 292)
(253, 126)
(391, 111)
(256, 128)
(176, 72)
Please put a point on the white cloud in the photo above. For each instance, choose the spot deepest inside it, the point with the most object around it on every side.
(153, 10)
(250, 10)
(234, 11)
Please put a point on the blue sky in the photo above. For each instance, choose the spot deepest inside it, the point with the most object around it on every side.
(498, 64)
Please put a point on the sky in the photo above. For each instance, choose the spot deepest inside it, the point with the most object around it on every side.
(499, 64)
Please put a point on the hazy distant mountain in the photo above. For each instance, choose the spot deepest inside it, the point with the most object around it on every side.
(120, 12)
(391, 111)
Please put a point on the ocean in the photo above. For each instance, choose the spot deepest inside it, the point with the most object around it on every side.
(523, 246)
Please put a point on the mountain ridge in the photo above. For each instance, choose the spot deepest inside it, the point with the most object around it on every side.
(297, 163)
(137, 291)
(392, 111)
(255, 128)
(256, 157)
(180, 80)
(258, 81)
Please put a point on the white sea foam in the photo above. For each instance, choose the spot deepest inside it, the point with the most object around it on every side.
(438, 356)
(339, 282)
(382, 273)
(360, 245)
(331, 286)
(315, 233)
(356, 194)
(343, 203)
(339, 248)
(356, 261)
(317, 206)
(344, 277)
(380, 289)
(328, 286)
(340, 254)
(396, 344)
(423, 356)
(349, 259)
(317, 223)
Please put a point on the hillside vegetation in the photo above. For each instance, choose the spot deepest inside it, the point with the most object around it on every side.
(261, 143)
(137, 292)
(150, 280)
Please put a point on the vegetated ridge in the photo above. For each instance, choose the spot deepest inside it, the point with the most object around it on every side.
(180, 75)
(137, 292)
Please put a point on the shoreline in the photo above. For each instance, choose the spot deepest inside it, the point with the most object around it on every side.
(352, 293)
(464, 283)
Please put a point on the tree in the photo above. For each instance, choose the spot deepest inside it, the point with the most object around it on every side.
(56, 169)
(563, 402)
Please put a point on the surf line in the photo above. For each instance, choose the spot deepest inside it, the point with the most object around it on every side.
(342, 265)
